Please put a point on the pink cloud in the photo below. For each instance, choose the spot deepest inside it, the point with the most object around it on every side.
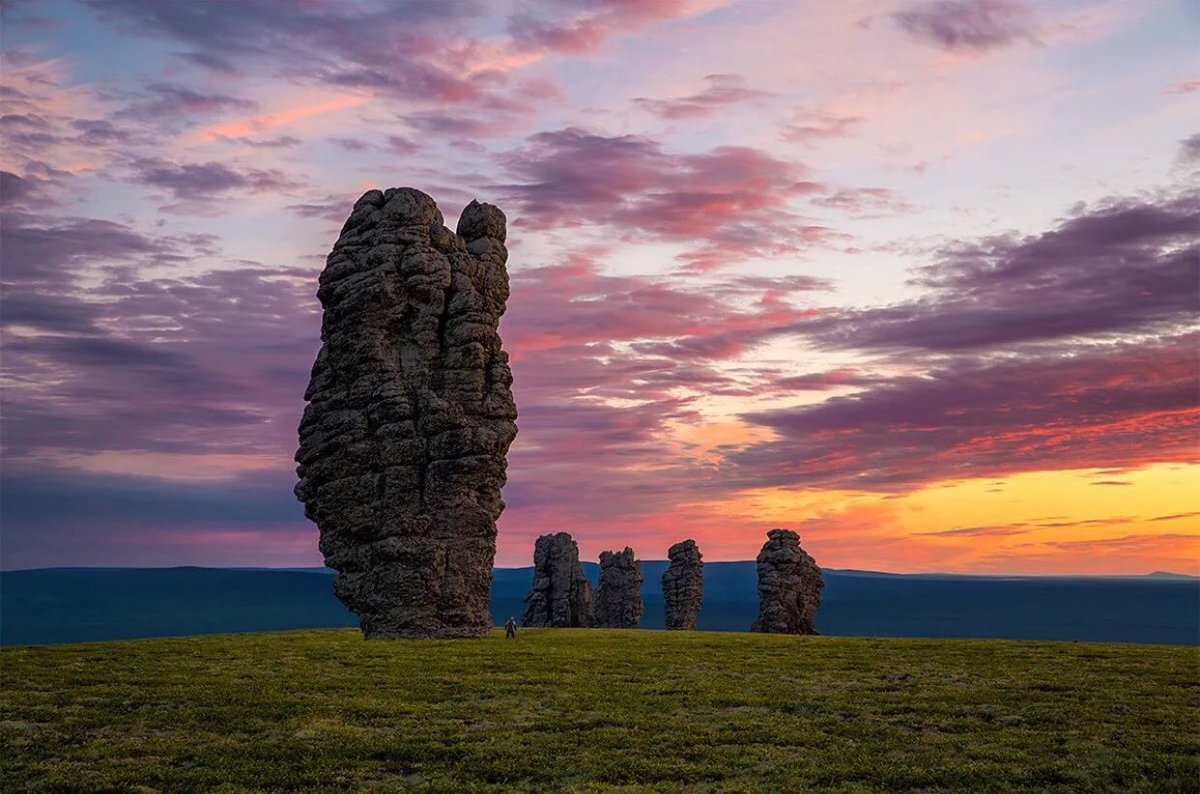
(728, 203)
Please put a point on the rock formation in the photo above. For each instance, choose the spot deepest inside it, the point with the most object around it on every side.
(561, 596)
(683, 585)
(410, 415)
(789, 586)
(619, 602)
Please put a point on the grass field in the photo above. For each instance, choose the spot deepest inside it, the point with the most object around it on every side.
(594, 710)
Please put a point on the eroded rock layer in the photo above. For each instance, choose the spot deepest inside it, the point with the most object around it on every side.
(410, 415)
(561, 596)
(619, 602)
(683, 585)
(789, 586)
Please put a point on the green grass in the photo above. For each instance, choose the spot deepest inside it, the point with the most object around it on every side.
(598, 710)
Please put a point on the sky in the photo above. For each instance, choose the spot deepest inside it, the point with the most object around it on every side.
(916, 278)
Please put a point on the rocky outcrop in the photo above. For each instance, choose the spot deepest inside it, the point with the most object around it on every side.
(410, 415)
(619, 602)
(789, 586)
(561, 596)
(683, 585)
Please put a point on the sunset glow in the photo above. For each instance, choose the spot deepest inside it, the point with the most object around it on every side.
(916, 279)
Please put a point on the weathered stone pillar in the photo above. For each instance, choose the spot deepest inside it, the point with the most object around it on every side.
(619, 602)
(789, 586)
(683, 585)
(410, 415)
(561, 596)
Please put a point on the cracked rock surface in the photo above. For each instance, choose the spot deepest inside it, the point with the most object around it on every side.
(410, 415)
(561, 596)
(619, 602)
(683, 585)
(789, 586)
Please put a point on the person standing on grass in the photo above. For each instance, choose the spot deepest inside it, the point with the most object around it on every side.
(510, 629)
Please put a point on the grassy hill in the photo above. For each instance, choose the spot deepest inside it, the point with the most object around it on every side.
(592, 709)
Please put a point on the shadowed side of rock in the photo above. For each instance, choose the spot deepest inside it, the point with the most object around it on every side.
(410, 415)
(683, 585)
(619, 602)
(561, 596)
(789, 586)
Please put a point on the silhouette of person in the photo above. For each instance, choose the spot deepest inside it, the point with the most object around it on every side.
(510, 629)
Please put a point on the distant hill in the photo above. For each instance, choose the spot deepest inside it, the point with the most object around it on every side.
(57, 605)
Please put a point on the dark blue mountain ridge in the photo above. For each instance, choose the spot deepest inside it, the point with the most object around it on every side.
(55, 605)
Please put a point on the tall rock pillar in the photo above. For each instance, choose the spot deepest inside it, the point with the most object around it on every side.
(561, 596)
(410, 415)
(789, 586)
(619, 602)
(683, 585)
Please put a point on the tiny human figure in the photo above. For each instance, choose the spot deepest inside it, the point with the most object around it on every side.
(510, 629)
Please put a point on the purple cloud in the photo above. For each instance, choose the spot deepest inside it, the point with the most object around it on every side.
(1189, 149)
(1126, 405)
(200, 181)
(400, 48)
(968, 24)
(39, 249)
(1124, 266)
(730, 202)
(159, 100)
(195, 358)
(721, 92)
(53, 516)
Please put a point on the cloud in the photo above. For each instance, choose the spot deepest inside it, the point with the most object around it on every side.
(1183, 86)
(23, 192)
(604, 366)
(159, 101)
(574, 304)
(865, 202)
(728, 203)
(812, 126)
(576, 27)
(55, 516)
(53, 128)
(1124, 266)
(1176, 516)
(1126, 543)
(975, 25)
(977, 532)
(1096, 406)
(839, 378)
(1189, 149)
(574, 37)
(202, 181)
(208, 358)
(330, 207)
(721, 92)
(409, 49)
(42, 496)
(49, 250)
